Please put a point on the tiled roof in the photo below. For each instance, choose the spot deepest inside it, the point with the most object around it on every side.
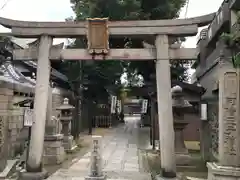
(11, 75)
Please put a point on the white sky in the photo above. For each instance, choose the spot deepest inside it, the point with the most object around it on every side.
(36, 10)
(58, 10)
(198, 8)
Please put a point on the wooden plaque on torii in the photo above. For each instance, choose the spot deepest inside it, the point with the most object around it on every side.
(98, 36)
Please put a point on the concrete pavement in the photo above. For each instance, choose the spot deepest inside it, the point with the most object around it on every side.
(120, 156)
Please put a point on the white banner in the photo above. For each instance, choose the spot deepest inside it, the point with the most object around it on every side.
(144, 106)
(28, 117)
(113, 104)
(203, 111)
(119, 106)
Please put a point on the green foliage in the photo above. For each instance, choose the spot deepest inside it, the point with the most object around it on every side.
(114, 9)
(127, 9)
(232, 40)
(236, 60)
(95, 76)
(161, 9)
(153, 10)
(238, 17)
(107, 73)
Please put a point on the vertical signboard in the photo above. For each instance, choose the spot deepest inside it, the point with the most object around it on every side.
(97, 35)
(28, 117)
(203, 112)
(119, 106)
(113, 104)
(144, 106)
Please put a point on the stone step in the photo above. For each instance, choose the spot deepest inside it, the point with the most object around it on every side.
(66, 174)
(129, 175)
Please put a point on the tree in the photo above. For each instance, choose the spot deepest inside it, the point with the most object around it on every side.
(104, 73)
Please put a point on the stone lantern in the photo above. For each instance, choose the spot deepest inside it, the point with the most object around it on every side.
(65, 119)
(180, 107)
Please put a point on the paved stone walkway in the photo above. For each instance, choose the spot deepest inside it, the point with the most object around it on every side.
(120, 156)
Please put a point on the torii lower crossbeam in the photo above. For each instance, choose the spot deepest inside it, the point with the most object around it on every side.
(115, 54)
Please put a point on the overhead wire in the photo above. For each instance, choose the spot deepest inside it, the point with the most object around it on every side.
(5, 4)
(186, 11)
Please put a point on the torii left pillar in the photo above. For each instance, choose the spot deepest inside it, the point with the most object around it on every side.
(165, 113)
(34, 168)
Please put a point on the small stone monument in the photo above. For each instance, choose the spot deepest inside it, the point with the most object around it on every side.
(228, 165)
(180, 107)
(65, 119)
(96, 160)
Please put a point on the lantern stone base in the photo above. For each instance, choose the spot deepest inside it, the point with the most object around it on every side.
(164, 178)
(183, 159)
(178, 177)
(69, 144)
(95, 178)
(53, 149)
(222, 172)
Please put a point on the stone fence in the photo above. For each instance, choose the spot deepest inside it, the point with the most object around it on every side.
(103, 121)
(16, 134)
(13, 116)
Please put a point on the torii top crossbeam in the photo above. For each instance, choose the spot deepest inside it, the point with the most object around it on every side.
(178, 27)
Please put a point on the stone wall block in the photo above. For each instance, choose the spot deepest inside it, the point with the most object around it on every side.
(6, 91)
(4, 98)
(12, 125)
(4, 106)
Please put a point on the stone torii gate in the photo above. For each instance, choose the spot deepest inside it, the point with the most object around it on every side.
(159, 30)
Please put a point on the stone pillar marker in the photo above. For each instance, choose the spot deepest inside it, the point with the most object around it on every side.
(165, 113)
(228, 166)
(34, 163)
(229, 127)
(96, 163)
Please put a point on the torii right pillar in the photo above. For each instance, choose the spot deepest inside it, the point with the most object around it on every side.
(165, 113)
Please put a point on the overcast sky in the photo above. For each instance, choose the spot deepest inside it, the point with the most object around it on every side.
(198, 8)
(58, 10)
